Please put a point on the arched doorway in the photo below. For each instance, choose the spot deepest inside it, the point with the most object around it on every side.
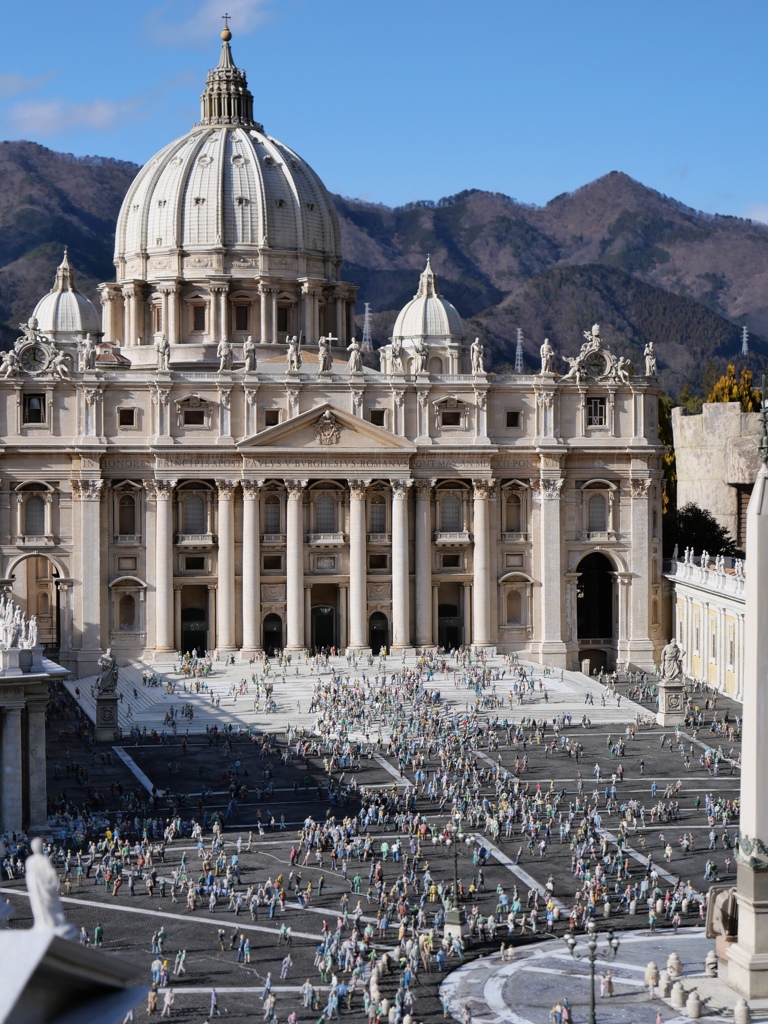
(35, 591)
(448, 626)
(323, 626)
(594, 598)
(272, 633)
(378, 632)
(194, 630)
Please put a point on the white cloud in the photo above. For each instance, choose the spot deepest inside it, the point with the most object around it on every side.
(758, 211)
(205, 21)
(11, 84)
(41, 118)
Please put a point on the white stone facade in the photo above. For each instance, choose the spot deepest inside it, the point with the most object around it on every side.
(708, 608)
(199, 482)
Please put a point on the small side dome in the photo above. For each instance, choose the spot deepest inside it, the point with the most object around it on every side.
(64, 314)
(428, 316)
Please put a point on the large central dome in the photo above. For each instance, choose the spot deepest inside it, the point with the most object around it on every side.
(225, 234)
(227, 188)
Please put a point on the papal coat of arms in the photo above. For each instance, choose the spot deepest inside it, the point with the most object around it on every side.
(327, 429)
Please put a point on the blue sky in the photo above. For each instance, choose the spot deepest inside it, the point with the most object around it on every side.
(417, 99)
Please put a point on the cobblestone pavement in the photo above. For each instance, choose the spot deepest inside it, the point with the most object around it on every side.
(200, 766)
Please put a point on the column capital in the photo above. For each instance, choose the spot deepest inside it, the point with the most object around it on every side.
(547, 488)
(424, 489)
(482, 488)
(400, 488)
(295, 489)
(251, 489)
(160, 490)
(226, 489)
(640, 488)
(357, 488)
(88, 490)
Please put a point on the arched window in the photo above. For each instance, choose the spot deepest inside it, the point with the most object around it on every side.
(194, 514)
(596, 520)
(514, 514)
(126, 515)
(450, 514)
(378, 514)
(514, 606)
(34, 517)
(127, 611)
(43, 604)
(325, 514)
(435, 365)
(272, 514)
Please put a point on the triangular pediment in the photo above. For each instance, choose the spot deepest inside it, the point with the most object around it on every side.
(326, 428)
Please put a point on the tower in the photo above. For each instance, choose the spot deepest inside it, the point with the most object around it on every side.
(367, 342)
(745, 340)
(519, 351)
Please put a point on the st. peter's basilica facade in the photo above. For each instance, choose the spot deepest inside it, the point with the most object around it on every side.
(211, 464)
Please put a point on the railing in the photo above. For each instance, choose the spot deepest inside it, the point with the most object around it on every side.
(273, 539)
(325, 540)
(446, 537)
(128, 538)
(194, 540)
(514, 537)
(379, 538)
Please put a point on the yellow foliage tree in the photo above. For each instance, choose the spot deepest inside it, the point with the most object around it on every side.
(729, 389)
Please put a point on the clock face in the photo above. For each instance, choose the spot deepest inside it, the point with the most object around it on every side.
(33, 359)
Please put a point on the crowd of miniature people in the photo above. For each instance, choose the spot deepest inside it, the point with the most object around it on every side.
(378, 839)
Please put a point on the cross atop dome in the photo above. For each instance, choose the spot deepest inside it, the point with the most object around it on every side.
(428, 283)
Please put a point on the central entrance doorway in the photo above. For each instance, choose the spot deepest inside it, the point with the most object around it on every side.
(323, 626)
(448, 626)
(272, 634)
(194, 630)
(378, 632)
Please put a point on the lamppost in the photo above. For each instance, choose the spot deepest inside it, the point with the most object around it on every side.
(593, 953)
(454, 918)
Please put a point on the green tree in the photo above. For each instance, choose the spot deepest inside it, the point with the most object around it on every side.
(689, 400)
(669, 495)
(729, 389)
(695, 527)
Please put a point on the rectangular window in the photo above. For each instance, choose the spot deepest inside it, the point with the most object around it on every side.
(731, 647)
(198, 319)
(714, 644)
(194, 417)
(596, 412)
(194, 563)
(282, 319)
(451, 561)
(126, 417)
(271, 417)
(158, 318)
(127, 564)
(514, 419)
(241, 318)
(450, 418)
(377, 561)
(34, 408)
(378, 417)
(273, 563)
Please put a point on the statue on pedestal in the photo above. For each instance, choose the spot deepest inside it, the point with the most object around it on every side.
(419, 357)
(355, 357)
(397, 355)
(224, 354)
(249, 354)
(671, 663)
(293, 355)
(476, 354)
(163, 352)
(106, 684)
(547, 354)
(650, 360)
(326, 360)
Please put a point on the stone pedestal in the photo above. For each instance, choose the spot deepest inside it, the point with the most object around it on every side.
(455, 923)
(106, 717)
(671, 704)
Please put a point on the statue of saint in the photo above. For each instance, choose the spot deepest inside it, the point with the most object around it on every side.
(89, 353)
(397, 355)
(224, 355)
(107, 681)
(60, 367)
(249, 354)
(650, 360)
(420, 356)
(293, 355)
(163, 352)
(10, 364)
(355, 357)
(326, 360)
(672, 663)
(476, 354)
(547, 354)
(32, 632)
(43, 889)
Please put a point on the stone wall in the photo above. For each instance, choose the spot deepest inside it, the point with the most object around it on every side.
(716, 451)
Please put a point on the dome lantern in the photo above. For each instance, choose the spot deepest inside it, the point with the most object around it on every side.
(227, 98)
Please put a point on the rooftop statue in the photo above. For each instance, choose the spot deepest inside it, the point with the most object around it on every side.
(43, 889)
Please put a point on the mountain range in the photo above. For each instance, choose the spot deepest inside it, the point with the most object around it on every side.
(614, 252)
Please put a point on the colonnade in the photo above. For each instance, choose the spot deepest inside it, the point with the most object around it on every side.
(23, 800)
(478, 608)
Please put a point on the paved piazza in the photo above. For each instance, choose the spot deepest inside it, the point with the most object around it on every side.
(190, 771)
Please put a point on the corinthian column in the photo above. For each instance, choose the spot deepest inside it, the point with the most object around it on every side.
(481, 590)
(13, 803)
(162, 491)
(401, 629)
(251, 557)
(226, 603)
(358, 604)
(550, 555)
(423, 563)
(294, 564)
